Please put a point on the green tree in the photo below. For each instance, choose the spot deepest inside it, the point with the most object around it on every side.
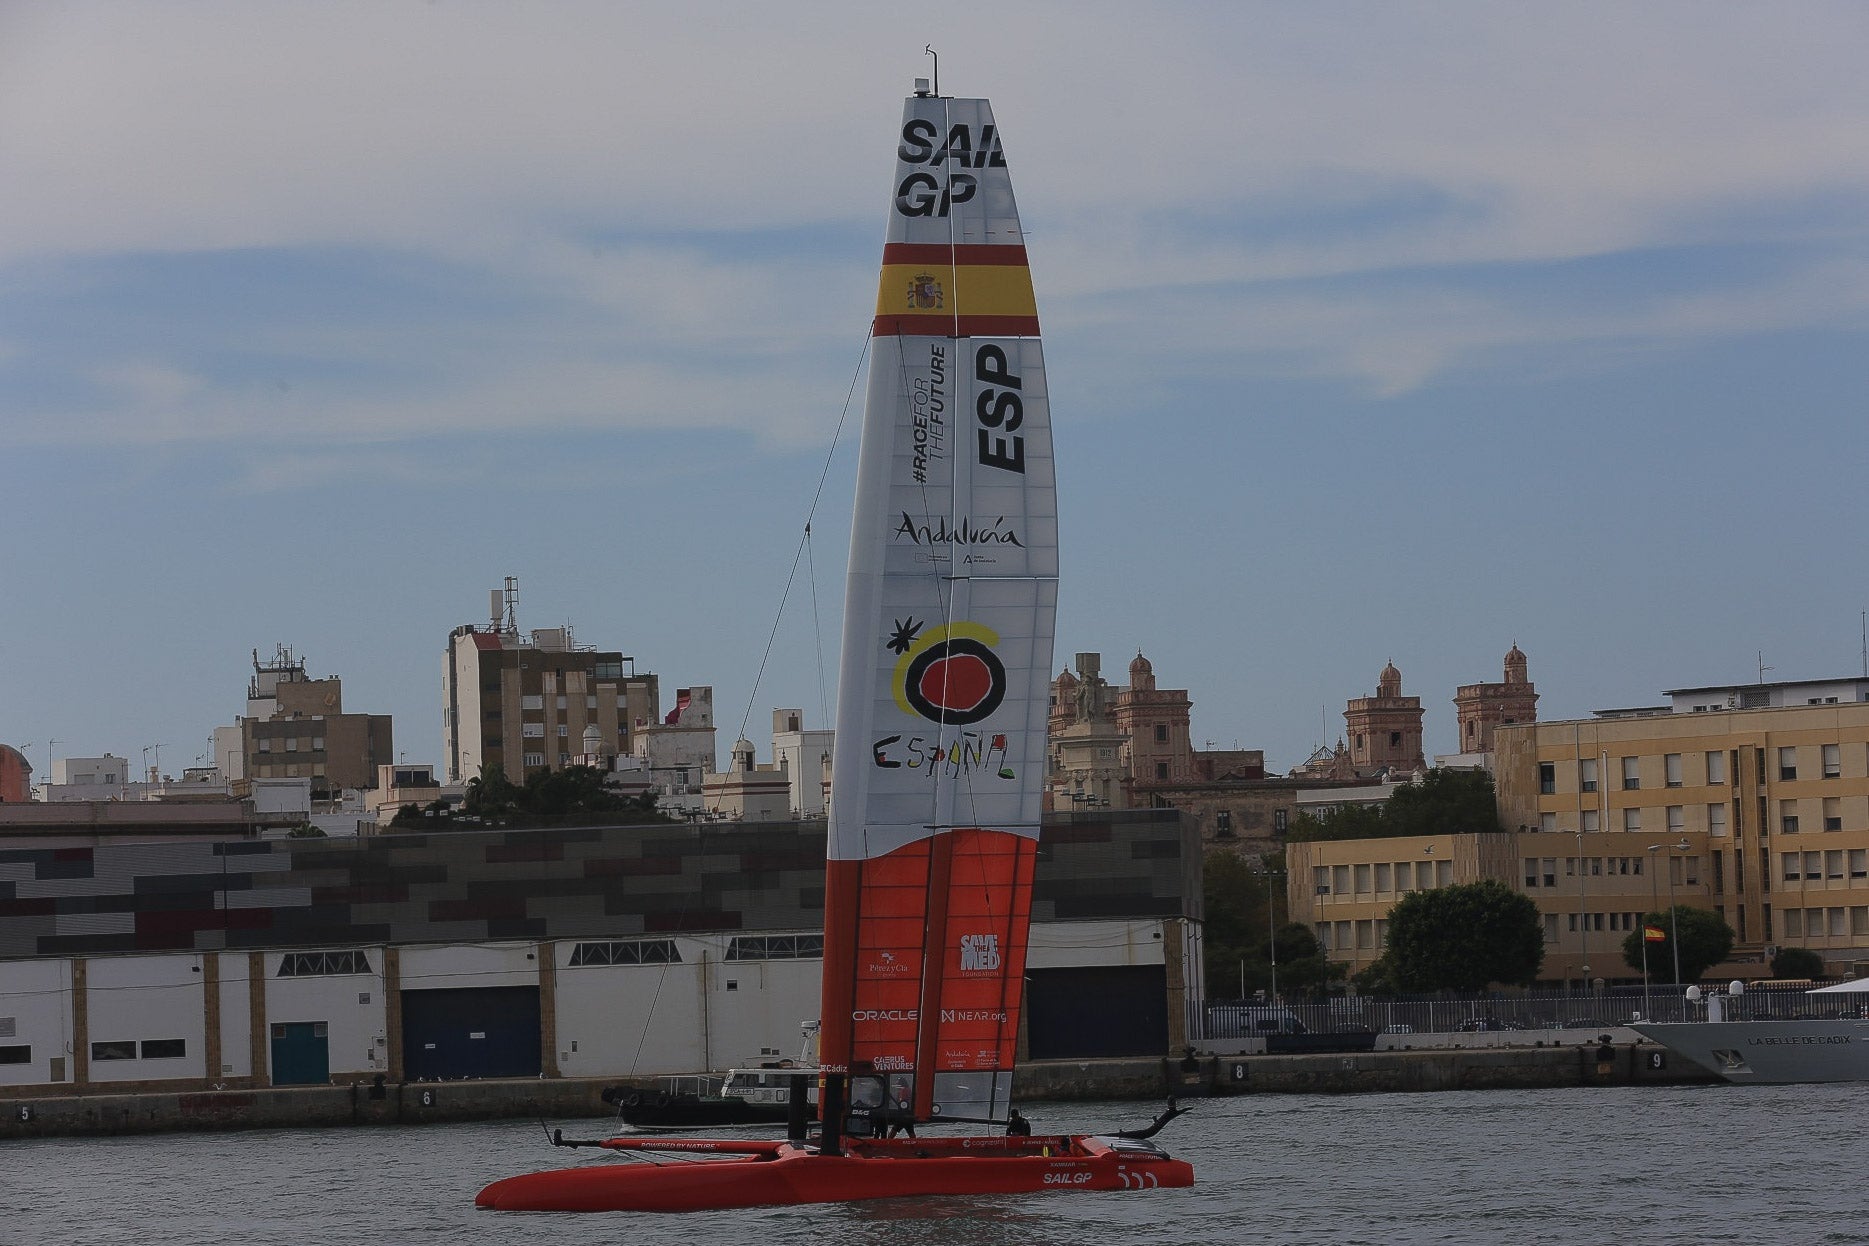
(1797, 962)
(1444, 802)
(1440, 802)
(1706, 940)
(1235, 893)
(1342, 822)
(1303, 969)
(1464, 938)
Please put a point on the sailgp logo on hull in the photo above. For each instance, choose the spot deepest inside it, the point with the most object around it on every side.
(979, 953)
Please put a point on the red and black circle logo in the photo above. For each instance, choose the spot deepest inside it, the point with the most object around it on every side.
(958, 680)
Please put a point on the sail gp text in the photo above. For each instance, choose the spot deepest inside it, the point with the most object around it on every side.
(925, 194)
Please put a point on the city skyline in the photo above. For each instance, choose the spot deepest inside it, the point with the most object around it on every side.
(1390, 334)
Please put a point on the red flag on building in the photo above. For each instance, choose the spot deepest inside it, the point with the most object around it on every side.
(1654, 934)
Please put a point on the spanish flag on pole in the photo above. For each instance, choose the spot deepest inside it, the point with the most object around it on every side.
(1654, 934)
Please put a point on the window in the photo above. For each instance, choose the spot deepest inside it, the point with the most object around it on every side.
(322, 964)
(1716, 819)
(1813, 867)
(1590, 820)
(1586, 774)
(1385, 878)
(1161, 733)
(15, 1055)
(1833, 761)
(1671, 769)
(1790, 860)
(1716, 766)
(1788, 816)
(1365, 934)
(531, 703)
(164, 1048)
(633, 952)
(1631, 775)
(776, 947)
(533, 759)
(1833, 814)
(1550, 871)
(1320, 878)
(1362, 880)
(1531, 871)
(1794, 923)
(1833, 863)
(1340, 879)
(1547, 778)
(1787, 763)
(1859, 863)
(1551, 927)
(1161, 770)
(1395, 739)
(1547, 822)
(1677, 819)
(125, 1050)
(564, 729)
(1223, 824)
(1631, 819)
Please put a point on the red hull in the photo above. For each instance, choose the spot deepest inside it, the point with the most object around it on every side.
(779, 1174)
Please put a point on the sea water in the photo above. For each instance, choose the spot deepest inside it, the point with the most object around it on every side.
(1656, 1165)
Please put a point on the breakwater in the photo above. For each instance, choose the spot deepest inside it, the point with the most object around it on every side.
(1424, 1068)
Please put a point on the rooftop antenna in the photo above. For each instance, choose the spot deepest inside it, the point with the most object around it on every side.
(936, 73)
(1762, 667)
(512, 605)
(1866, 644)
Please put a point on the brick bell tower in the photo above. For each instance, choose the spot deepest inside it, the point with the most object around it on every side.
(1385, 730)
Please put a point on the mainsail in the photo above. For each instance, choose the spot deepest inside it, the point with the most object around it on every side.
(940, 755)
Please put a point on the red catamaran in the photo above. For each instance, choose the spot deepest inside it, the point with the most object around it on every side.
(937, 785)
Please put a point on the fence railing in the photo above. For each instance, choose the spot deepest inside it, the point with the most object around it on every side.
(1442, 1014)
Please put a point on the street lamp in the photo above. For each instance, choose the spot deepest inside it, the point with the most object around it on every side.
(1271, 929)
(1674, 917)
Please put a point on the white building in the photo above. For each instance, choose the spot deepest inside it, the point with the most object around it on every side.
(805, 757)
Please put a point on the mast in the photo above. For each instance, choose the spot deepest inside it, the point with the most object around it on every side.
(937, 785)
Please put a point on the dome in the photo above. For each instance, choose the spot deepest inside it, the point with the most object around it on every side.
(1065, 679)
(1389, 683)
(1141, 673)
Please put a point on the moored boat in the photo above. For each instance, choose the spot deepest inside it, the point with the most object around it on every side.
(1773, 1050)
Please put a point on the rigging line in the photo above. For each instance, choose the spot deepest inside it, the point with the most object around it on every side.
(817, 631)
(811, 512)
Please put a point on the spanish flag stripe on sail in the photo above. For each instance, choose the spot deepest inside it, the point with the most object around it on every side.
(930, 298)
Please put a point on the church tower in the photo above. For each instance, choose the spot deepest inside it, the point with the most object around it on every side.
(1385, 730)
(1156, 722)
(1483, 708)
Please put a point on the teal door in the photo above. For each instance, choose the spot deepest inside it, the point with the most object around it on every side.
(301, 1053)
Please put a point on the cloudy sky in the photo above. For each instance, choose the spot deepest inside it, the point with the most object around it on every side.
(1376, 331)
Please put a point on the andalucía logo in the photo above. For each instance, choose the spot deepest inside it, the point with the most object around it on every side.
(949, 675)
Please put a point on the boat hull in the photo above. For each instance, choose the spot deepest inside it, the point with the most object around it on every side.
(1771, 1052)
(782, 1174)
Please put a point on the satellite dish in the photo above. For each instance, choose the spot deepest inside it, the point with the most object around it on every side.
(1693, 994)
(1736, 987)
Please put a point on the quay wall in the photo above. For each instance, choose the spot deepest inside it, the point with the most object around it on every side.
(566, 1099)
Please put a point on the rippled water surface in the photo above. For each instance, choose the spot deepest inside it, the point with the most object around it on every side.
(1650, 1165)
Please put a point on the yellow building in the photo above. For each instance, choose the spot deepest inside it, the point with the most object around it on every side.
(1760, 814)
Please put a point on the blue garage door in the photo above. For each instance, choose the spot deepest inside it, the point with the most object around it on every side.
(488, 1031)
(1116, 1010)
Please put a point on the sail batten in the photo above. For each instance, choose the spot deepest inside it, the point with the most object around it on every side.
(937, 783)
